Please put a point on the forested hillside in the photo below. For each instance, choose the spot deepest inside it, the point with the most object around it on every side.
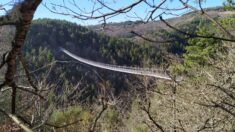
(89, 45)
(123, 29)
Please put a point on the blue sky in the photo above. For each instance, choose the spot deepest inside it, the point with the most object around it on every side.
(140, 10)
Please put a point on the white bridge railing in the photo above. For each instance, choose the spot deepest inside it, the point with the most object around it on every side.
(131, 70)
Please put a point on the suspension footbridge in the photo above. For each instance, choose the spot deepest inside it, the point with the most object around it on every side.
(124, 69)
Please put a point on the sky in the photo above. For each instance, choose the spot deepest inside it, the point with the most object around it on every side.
(140, 10)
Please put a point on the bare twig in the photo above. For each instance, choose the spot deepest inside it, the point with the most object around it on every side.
(154, 10)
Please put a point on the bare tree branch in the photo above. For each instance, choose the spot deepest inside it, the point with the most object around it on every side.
(147, 111)
(88, 17)
(195, 35)
(63, 126)
(207, 16)
(13, 99)
(151, 40)
(104, 107)
(205, 126)
(29, 91)
(229, 93)
(16, 120)
(27, 72)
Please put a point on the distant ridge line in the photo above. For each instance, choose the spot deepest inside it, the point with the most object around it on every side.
(131, 70)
